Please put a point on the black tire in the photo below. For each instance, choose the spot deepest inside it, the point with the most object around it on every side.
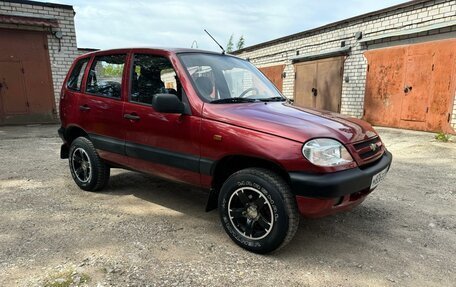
(257, 210)
(88, 170)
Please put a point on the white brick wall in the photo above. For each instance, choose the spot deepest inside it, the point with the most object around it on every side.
(60, 60)
(414, 16)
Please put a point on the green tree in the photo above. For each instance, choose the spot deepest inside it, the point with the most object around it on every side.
(240, 43)
(230, 45)
(112, 70)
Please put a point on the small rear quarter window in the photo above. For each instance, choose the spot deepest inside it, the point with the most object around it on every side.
(75, 80)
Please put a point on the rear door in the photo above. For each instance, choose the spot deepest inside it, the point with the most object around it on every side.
(160, 143)
(69, 110)
(101, 104)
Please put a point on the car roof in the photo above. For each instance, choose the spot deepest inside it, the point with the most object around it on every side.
(163, 49)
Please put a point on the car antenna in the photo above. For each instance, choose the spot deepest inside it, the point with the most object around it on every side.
(223, 50)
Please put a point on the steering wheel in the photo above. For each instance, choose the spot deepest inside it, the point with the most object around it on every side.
(248, 91)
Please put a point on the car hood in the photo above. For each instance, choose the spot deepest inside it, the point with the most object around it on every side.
(291, 122)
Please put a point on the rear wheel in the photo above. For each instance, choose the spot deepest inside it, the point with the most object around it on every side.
(257, 210)
(88, 170)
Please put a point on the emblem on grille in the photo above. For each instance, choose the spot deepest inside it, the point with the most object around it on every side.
(373, 147)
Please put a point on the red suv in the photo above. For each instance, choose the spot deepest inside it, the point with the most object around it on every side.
(215, 121)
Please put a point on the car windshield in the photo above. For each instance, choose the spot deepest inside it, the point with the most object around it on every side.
(222, 79)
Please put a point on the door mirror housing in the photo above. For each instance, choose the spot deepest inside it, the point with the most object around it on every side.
(168, 103)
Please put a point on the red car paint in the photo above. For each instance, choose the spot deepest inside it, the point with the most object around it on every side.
(271, 131)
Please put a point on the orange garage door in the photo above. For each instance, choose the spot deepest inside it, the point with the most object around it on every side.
(411, 86)
(26, 90)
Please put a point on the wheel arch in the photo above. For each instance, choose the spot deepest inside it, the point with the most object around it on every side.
(233, 163)
(73, 132)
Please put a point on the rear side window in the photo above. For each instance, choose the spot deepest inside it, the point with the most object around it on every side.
(105, 76)
(75, 80)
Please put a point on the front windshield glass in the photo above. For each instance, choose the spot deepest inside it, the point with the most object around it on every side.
(226, 79)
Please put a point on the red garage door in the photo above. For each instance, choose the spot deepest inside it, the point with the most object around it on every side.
(274, 74)
(411, 86)
(26, 90)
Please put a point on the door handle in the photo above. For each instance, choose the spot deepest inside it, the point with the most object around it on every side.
(132, 117)
(84, 108)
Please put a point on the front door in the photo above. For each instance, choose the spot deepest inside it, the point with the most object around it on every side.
(159, 143)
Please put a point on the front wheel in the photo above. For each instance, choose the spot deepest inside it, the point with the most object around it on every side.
(257, 210)
(88, 170)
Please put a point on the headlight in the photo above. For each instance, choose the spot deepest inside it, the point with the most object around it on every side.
(326, 152)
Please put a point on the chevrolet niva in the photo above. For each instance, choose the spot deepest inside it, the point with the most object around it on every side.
(215, 121)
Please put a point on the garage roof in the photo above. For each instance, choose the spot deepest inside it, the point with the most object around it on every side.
(43, 4)
(29, 21)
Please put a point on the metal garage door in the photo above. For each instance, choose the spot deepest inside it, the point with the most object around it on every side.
(411, 86)
(274, 74)
(318, 84)
(26, 90)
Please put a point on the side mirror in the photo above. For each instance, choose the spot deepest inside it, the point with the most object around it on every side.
(167, 103)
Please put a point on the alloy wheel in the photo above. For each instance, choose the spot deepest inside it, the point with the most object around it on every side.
(82, 166)
(250, 213)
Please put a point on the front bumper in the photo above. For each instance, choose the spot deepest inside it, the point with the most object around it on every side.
(325, 194)
(337, 184)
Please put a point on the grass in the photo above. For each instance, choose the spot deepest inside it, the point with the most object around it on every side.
(66, 279)
(442, 137)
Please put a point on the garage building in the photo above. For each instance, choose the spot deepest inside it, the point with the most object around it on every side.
(394, 67)
(37, 47)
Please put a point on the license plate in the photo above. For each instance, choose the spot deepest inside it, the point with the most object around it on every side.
(376, 179)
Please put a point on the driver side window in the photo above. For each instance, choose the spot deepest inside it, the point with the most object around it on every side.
(105, 76)
(151, 75)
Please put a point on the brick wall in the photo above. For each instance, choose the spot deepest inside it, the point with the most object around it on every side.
(62, 59)
(420, 14)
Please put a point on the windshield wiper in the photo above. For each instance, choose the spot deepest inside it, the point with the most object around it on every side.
(273, 99)
(233, 101)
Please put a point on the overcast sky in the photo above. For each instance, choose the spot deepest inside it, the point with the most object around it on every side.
(117, 23)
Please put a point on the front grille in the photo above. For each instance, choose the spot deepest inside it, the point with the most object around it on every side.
(369, 150)
(364, 144)
(368, 154)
